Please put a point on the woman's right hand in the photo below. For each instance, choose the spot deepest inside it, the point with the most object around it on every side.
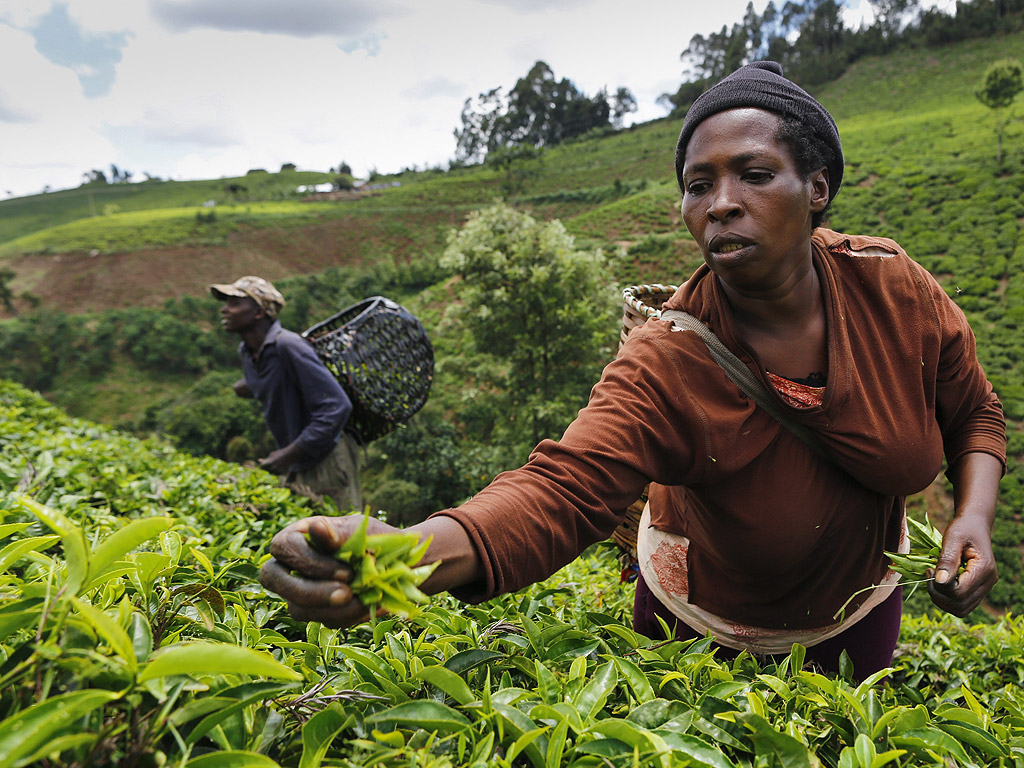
(304, 571)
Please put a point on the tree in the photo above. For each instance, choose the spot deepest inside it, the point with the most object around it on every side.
(540, 110)
(480, 117)
(623, 102)
(6, 296)
(1001, 83)
(540, 306)
(95, 176)
(892, 15)
(119, 175)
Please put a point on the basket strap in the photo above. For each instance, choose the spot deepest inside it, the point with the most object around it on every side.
(744, 378)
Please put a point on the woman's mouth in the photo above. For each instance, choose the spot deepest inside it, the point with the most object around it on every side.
(728, 245)
(732, 249)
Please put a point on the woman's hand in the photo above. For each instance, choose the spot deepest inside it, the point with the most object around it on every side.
(316, 586)
(305, 573)
(966, 542)
(968, 539)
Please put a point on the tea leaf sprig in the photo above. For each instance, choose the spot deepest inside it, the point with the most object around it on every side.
(914, 566)
(925, 548)
(386, 574)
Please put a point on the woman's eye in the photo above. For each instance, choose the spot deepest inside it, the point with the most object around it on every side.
(697, 187)
(759, 177)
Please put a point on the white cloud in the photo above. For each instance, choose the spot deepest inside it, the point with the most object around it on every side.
(302, 18)
(313, 82)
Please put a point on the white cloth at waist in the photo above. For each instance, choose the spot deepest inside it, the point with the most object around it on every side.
(662, 558)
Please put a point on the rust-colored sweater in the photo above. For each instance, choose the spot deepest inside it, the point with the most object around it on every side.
(779, 536)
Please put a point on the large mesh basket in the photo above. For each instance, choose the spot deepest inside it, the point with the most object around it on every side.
(382, 357)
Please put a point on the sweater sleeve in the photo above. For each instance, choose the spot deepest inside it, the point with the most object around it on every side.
(641, 424)
(329, 406)
(967, 408)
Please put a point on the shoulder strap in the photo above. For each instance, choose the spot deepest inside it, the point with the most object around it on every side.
(743, 377)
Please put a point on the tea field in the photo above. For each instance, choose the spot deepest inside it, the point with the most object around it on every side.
(133, 632)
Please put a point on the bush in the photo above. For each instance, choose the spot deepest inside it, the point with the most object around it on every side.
(207, 417)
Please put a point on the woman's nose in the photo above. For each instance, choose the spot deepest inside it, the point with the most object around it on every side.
(724, 202)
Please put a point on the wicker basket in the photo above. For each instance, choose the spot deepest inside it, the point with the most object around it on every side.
(639, 304)
(382, 357)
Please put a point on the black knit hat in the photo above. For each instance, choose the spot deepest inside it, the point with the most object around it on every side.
(760, 84)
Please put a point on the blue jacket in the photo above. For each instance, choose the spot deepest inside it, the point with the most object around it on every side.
(302, 401)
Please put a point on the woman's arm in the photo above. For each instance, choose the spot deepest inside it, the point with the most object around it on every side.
(968, 538)
(316, 586)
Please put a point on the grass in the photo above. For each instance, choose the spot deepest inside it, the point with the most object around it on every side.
(36, 213)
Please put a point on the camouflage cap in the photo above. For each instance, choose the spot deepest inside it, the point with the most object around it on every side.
(256, 288)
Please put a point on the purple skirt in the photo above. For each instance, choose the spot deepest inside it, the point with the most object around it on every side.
(869, 643)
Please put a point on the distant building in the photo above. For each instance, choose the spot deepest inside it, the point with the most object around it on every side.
(309, 189)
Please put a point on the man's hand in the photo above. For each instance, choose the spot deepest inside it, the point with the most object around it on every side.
(281, 460)
(305, 573)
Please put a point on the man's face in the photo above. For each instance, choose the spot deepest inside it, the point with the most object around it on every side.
(239, 315)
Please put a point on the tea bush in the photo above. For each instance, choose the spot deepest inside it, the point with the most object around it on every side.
(133, 632)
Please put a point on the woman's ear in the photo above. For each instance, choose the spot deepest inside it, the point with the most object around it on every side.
(819, 190)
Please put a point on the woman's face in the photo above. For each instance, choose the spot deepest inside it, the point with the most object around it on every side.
(745, 203)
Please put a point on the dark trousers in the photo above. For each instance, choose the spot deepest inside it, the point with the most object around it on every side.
(869, 643)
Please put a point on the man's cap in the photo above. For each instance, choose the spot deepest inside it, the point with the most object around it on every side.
(761, 84)
(256, 288)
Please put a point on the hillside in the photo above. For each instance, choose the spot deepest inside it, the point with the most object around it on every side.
(921, 169)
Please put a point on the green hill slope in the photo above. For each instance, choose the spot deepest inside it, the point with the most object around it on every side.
(921, 169)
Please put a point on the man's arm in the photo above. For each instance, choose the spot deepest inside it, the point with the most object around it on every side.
(242, 389)
(329, 406)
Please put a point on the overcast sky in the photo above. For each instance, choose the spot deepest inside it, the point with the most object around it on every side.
(190, 89)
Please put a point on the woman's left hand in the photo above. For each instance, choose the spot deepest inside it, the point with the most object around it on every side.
(968, 539)
(966, 542)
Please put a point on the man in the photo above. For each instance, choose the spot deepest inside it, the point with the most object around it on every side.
(303, 404)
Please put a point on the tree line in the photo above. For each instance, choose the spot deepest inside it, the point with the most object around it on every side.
(811, 41)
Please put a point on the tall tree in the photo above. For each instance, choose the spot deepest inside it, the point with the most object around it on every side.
(1001, 83)
(540, 110)
(480, 120)
(623, 102)
(892, 15)
(544, 308)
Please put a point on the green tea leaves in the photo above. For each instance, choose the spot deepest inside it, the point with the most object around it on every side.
(198, 659)
(387, 574)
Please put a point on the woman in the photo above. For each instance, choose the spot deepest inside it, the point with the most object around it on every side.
(749, 534)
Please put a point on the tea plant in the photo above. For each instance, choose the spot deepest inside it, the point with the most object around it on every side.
(386, 570)
(133, 632)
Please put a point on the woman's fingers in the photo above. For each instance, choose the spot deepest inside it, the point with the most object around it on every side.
(329, 602)
(291, 547)
(961, 594)
(297, 589)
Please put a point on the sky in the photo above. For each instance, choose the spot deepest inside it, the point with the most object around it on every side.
(201, 89)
